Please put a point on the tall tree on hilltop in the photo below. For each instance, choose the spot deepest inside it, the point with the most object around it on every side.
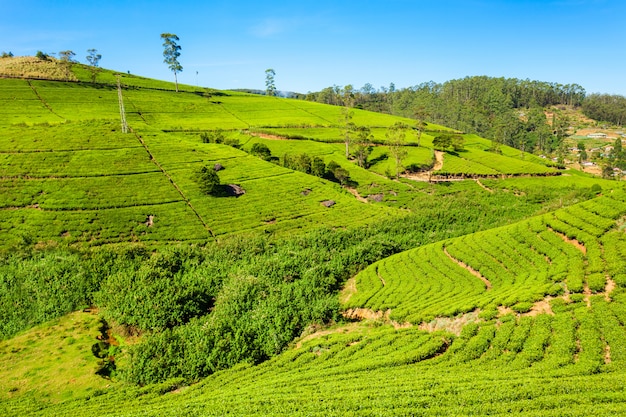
(171, 52)
(67, 59)
(270, 86)
(93, 57)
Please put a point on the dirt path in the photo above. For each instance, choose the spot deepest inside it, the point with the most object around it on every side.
(469, 269)
(483, 186)
(610, 286)
(574, 242)
(267, 136)
(426, 175)
(358, 196)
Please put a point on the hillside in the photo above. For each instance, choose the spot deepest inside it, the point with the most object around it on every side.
(307, 282)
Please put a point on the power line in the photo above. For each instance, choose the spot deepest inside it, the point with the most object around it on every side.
(121, 103)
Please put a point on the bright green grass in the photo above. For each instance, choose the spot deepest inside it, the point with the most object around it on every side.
(19, 104)
(417, 157)
(53, 361)
(456, 165)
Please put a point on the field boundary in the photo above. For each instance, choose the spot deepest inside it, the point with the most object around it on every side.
(153, 159)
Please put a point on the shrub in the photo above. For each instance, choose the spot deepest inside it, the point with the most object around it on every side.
(208, 179)
(262, 151)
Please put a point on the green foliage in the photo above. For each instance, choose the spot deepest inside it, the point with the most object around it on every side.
(214, 136)
(262, 151)
(162, 292)
(171, 52)
(208, 180)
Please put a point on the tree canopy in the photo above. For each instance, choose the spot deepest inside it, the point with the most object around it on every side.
(171, 52)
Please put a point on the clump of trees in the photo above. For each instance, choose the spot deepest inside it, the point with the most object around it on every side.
(606, 107)
(507, 110)
(262, 151)
(219, 136)
(446, 140)
(208, 179)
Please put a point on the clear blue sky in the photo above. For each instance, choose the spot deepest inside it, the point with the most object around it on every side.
(316, 44)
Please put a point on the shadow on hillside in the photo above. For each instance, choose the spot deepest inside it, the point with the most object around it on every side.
(228, 190)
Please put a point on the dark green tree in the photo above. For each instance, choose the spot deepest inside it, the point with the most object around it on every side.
(318, 167)
(208, 179)
(262, 151)
(171, 52)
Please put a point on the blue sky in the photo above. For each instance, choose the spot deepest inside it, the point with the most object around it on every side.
(316, 44)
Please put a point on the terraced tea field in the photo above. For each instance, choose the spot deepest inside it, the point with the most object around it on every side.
(526, 319)
(555, 255)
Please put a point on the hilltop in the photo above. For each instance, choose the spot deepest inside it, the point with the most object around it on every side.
(424, 272)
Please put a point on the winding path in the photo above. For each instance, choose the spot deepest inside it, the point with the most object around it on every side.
(469, 269)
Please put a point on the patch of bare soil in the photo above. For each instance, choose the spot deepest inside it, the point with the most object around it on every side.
(541, 307)
(451, 324)
(426, 175)
(328, 203)
(483, 186)
(358, 196)
(469, 269)
(267, 136)
(361, 314)
(610, 286)
(607, 353)
(365, 314)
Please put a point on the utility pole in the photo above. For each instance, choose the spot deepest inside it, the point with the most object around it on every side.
(121, 103)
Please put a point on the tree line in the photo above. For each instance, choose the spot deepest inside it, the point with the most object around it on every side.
(510, 111)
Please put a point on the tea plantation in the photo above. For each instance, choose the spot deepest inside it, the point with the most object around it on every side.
(304, 282)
